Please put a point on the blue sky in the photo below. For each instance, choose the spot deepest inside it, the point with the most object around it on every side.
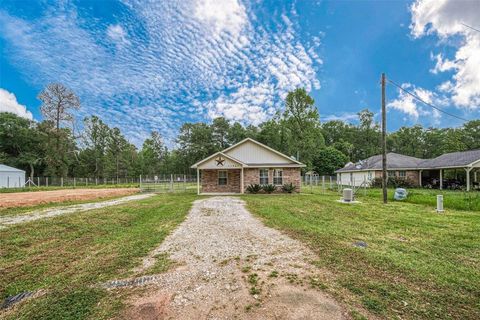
(151, 65)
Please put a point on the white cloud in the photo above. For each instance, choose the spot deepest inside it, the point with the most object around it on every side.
(213, 57)
(344, 116)
(446, 19)
(9, 103)
(413, 108)
(222, 15)
(117, 34)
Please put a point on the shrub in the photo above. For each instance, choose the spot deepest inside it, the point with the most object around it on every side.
(289, 187)
(269, 188)
(394, 182)
(254, 188)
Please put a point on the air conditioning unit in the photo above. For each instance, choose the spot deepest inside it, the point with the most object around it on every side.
(347, 195)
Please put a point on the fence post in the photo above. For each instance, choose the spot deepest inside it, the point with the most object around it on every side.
(19, 183)
(86, 182)
(171, 182)
(46, 181)
(38, 181)
(323, 184)
(61, 181)
(140, 182)
(184, 182)
(8, 181)
(74, 184)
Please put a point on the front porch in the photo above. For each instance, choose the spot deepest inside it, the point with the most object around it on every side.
(220, 181)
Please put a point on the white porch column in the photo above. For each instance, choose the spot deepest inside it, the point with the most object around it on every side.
(198, 181)
(441, 179)
(420, 178)
(475, 176)
(468, 178)
(241, 182)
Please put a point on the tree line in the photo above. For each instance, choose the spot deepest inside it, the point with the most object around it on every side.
(52, 147)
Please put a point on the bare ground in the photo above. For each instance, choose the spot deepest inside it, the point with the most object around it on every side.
(23, 199)
(230, 266)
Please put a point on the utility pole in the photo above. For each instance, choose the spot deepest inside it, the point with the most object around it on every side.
(384, 143)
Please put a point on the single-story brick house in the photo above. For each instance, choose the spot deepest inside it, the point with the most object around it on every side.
(247, 162)
(421, 172)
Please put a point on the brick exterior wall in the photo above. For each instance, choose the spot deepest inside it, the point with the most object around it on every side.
(409, 174)
(209, 179)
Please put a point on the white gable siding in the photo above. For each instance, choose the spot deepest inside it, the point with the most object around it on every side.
(212, 164)
(250, 152)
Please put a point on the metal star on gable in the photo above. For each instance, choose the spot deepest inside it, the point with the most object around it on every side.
(220, 161)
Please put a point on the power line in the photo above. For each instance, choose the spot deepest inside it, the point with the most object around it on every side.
(424, 102)
(466, 25)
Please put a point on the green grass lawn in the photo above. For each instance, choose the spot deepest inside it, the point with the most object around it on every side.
(418, 264)
(67, 255)
(459, 200)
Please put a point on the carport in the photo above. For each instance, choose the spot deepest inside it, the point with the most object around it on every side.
(465, 164)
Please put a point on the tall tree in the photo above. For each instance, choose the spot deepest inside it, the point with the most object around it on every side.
(220, 128)
(95, 138)
(58, 104)
(21, 142)
(302, 120)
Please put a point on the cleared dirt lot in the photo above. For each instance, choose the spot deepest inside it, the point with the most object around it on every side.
(22, 199)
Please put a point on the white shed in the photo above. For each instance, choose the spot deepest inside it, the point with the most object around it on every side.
(11, 177)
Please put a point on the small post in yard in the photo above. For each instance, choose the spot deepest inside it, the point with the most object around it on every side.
(74, 184)
(8, 181)
(440, 203)
(171, 182)
(46, 181)
(61, 181)
(384, 143)
(184, 182)
(140, 182)
(331, 188)
(38, 181)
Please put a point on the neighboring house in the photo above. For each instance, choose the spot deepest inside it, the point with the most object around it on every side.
(419, 171)
(11, 177)
(247, 162)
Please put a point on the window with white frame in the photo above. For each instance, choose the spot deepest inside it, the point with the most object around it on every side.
(402, 174)
(222, 177)
(278, 177)
(263, 176)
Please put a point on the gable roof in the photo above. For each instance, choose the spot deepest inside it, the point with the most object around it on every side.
(216, 154)
(250, 160)
(4, 168)
(399, 161)
(394, 161)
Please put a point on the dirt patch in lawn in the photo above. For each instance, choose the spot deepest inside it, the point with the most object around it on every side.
(22, 199)
(228, 265)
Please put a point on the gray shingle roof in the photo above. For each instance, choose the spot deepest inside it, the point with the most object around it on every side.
(454, 159)
(399, 161)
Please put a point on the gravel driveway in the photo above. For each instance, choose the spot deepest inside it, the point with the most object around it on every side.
(229, 265)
